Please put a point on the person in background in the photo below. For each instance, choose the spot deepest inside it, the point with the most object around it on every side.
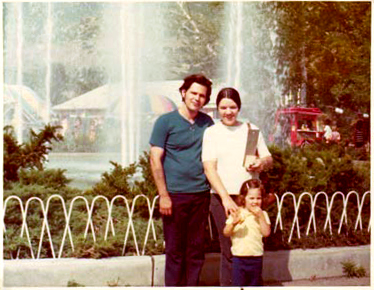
(358, 136)
(64, 125)
(335, 135)
(224, 147)
(247, 227)
(328, 132)
(77, 128)
(183, 188)
(304, 127)
(278, 136)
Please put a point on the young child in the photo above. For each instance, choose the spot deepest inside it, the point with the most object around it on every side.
(246, 227)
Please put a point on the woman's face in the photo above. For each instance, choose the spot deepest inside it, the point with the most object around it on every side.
(228, 111)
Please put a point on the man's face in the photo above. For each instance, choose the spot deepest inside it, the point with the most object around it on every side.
(195, 97)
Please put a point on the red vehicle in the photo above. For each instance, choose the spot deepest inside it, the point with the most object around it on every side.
(297, 126)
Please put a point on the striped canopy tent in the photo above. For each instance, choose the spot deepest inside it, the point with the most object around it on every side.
(34, 111)
(106, 101)
(96, 102)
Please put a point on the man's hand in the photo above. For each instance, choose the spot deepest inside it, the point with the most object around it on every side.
(165, 205)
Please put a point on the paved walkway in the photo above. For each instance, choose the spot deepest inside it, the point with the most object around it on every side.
(336, 281)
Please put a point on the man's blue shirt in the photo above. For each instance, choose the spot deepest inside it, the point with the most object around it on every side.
(182, 142)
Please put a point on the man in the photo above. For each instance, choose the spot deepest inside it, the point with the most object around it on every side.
(175, 158)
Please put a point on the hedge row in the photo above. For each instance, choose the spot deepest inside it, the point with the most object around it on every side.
(312, 169)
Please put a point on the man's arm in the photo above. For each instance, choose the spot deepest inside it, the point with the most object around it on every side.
(157, 168)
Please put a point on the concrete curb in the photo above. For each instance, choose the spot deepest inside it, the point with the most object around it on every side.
(149, 270)
(313, 263)
(124, 271)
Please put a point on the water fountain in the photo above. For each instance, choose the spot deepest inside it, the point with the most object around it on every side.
(248, 62)
(49, 30)
(235, 44)
(139, 24)
(120, 46)
(19, 72)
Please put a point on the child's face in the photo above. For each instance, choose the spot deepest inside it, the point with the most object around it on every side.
(253, 198)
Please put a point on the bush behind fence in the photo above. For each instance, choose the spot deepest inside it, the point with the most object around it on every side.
(57, 228)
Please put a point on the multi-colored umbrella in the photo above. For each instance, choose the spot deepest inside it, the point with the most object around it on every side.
(32, 106)
(157, 104)
(107, 100)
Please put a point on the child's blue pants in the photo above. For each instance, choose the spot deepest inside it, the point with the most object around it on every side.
(246, 271)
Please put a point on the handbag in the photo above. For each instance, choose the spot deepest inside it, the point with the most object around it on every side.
(250, 155)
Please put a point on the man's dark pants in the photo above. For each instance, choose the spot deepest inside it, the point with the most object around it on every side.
(184, 238)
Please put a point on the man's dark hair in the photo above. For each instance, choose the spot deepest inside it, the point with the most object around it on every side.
(200, 79)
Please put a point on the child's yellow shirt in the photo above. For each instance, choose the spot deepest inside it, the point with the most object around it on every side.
(247, 238)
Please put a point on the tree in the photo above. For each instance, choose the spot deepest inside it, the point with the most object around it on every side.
(331, 42)
(195, 37)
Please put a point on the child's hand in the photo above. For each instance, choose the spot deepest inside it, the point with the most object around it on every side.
(256, 210)
(236, 218)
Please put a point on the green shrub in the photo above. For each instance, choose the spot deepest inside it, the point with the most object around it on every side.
(30, 154)
(121, 181)
(313, 169)
(322, 239)
(28, 190)
(13, 219)
(115, 182)
(295, 170)
(54, 178)
(30, 185)
(73, 283)
(351, 270)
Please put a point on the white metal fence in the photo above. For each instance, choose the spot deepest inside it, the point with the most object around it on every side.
(150, 232)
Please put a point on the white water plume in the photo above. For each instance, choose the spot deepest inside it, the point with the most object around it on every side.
(48, 75)
(248, 62)
(19, 113)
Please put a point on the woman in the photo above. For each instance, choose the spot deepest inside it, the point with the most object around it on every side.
(223, 151)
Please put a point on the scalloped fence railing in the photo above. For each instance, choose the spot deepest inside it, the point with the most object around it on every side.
(313, 200)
